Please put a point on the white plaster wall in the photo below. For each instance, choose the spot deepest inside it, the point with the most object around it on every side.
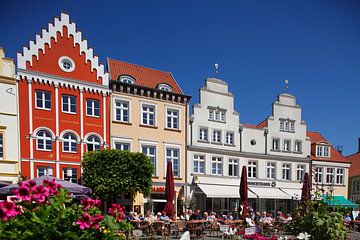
(11, 139)
(7, 98)
(249, 134)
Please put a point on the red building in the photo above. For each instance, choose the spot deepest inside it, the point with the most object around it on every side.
(63, 101)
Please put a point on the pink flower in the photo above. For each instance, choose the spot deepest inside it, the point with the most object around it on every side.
(52, 186)
(40, 193)
(85, 221)
(89, 202)
(97, 202)
(96, 220)
(117, 211)
(8, 210)
(23, 193)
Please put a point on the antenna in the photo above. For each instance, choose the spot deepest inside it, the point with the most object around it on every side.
(217, 70)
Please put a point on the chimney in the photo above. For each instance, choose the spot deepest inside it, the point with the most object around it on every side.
(359, 145)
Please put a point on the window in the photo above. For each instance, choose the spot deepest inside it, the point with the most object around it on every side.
(252, 165)
(318, 175)
(287, 145)
(216, 136)
(199, 164)
(43, 141)
(233, 167)
(122, 146)
(121, 111)
(164, 87)
(1, 145)
(216, 166)
(126, 79)
(287, 125)
(276, 144)
(203, 134)
(217, 115)
(172, 119)
(319, 151)
(69, 143)
(326, 151)
(300, 172)
(41, 171)
(172, 154)
(70, 174)
(43, 100)
(150, 151)
(298, 146)
(92, 108)
(286, 171)
(66, 64)
(230, 138)
(148, 115)
(340, 172)
(322, 151)
(270, 170)
(68, 104)
(330, 173)
(93, 143)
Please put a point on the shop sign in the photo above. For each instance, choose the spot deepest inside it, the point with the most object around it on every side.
(262, 184)
(250, 231)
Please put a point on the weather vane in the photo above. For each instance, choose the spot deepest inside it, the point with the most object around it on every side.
(287, 85)
(217, 69)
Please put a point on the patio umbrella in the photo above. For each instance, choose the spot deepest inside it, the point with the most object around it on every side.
(244, 191)
(69, 186)
(305, 193)
(169, 191)
(3, 184)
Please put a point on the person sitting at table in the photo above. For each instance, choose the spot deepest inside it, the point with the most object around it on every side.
(347, 218)
(196, 215)
(263, 217)
(188, 215)
(280, 217)
(212, 216)
(158, 215)
(257, 217)
(149, 217)
(288, 218)
(164, 217)
(249, 221)
(130, 217)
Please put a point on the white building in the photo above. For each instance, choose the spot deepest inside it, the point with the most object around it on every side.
(276, 153)
(9, 140)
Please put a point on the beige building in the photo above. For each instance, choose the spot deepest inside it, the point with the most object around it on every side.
(9, 141)
(148, 114)
(330, 170)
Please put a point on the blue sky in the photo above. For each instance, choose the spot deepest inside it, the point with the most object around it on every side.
(258, 44)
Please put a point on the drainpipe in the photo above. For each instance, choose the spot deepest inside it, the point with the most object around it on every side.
(266, 131)
(240, 138)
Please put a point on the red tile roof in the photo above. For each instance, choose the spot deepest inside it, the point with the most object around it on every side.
(335, 156)
(355, 164)
(259, 126)
(146, 77)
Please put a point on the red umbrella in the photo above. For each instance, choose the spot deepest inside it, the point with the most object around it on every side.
(305, 193)
(169, 191)
(244, 191)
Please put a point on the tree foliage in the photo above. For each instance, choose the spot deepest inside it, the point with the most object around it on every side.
(111, 173)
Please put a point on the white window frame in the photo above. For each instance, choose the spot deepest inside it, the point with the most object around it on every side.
(45, 170)
(70, 142)
(300, 172)
(44, 139)
(234, 166)
(92, 101)
(298, 146)
(278, 144)
(320, 151)
(43, 100)
(122, 109)
(340, 174)
(286, 172)
(271, 170)
(287, 143)
(252, 169)
(73, 178)
(122, 144)
(229, 138)
(176, 172)
(204, 135)
(165, 87)
(216, 135)
(326, 151)
(126, 79)
(287, 125)
(173, 118)
(217, 115)
(217, 166)
(93, 143)
(68, 103)
(153, 157)
(319, 175)
(148, 113)
(330, 175)
(197, 160)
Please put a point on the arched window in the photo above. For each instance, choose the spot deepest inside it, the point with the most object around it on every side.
(93, 143)
(164, 87)
(126, 79)
(69, 143)
(43, 141)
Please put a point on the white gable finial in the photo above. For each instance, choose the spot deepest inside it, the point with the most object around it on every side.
(216, 69)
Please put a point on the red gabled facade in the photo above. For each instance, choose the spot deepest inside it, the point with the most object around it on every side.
(63, 102)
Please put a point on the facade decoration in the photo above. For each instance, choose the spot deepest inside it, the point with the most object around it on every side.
(9, 130)
(64, 100)
(148, 115)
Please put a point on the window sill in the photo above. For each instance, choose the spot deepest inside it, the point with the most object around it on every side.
(175, 178)
(229, 145)
(287, 131)
(285, 151)
(211, 120)
(155, 177)
(298, 152)
(148, 126)
(203, 141)
(275, 150)
(120, 122)
(69, 152)
(172, 129)
(72, 113)
(45, 109)
(216, 143)
(93, 116)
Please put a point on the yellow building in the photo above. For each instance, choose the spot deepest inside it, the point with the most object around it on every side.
(148, 114)
(9, 132)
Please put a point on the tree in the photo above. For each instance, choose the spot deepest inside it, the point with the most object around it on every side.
(111, 173)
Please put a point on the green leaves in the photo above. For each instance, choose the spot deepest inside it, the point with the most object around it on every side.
(111, 173)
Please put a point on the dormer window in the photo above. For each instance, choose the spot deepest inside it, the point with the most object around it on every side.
(126, 79)
(323, 151)
(287, 125)
(164, 87)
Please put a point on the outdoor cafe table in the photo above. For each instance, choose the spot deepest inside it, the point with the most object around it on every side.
(196, 226)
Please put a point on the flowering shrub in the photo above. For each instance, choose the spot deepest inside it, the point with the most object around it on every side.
(46, 212)
(257, 236)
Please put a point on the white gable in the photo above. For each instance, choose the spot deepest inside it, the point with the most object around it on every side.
(47, 34)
